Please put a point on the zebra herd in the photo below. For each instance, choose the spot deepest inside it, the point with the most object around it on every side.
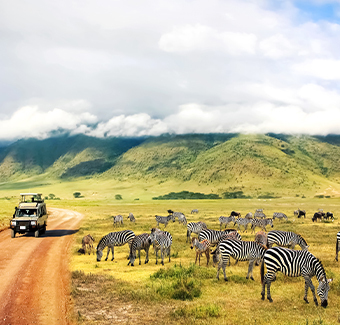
(228, 243)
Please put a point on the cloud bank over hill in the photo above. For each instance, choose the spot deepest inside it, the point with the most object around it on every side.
(131, 68)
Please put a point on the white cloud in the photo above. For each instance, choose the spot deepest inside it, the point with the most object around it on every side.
(327, 69)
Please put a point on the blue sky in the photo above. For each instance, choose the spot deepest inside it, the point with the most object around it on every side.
(135, 68)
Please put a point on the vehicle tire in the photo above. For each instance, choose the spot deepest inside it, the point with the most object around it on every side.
(43, 230)
(12, 233)
(36, 233)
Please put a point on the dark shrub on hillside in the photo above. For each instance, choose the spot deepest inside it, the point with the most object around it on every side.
(186, 195)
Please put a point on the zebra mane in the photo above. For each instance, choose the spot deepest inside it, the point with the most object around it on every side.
(323, 272)
(101, 242)
(304, 240)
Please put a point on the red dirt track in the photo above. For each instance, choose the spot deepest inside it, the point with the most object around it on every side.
(34, 272)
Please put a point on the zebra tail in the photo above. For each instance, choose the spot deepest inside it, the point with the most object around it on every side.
(337, 246)
(262, 271)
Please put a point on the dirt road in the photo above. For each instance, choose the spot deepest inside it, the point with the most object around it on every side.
(34, 276)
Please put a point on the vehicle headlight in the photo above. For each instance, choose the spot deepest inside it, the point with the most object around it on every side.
(13, 223)
(33, 223)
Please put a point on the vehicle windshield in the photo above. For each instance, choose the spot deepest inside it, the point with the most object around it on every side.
(26, 213)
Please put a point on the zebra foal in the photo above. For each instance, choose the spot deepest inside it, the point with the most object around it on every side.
(138, 243)
(286, 239)
(294, 264)
(200, 248)
(239, 250)
(195, 227)
(112, 239)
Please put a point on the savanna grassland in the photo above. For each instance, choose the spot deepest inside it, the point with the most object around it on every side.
(108, 291)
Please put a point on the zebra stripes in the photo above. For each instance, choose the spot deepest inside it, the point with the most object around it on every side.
(162, 242)
(286, 239)
(214, 236)
(239, 250)
(279, 215)
(225, 220)
(117, 220)
(138, 243)
(337, 245)
(195, 227)
(164, 220)
(179, 215)
(201, 247)
(262, 223)
(112, 239)
(294, 264)
(242, 222)
(194, 211)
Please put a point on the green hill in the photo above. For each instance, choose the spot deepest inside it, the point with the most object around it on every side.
(251, 165)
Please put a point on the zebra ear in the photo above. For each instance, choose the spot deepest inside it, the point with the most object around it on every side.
(330, 280)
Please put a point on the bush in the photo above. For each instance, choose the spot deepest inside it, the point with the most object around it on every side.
(235, 195)
(186, 195)
(77, 195)
(118, 197)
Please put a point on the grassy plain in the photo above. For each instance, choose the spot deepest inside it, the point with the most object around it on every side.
(110, 291)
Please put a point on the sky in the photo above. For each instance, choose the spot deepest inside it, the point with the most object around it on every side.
(138, 68)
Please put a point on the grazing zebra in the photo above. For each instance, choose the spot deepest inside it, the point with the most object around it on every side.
(162, 242)
(164, 220)
(242, 222)
(225, 220)
(239, 250)
(201, 247)
(112, 239)
(337, 245)
(286, 239)
(249, 215)
(118, 220)
(142, 241)
(195, 228)
(132, 217)
(294, 263)
(194, 211)
(261, 238)
(213, 236)
(279, 215)
(262, 223)
(179, 215)
(87, 243)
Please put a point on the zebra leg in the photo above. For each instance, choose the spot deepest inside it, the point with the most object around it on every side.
(162, 255)
(268, 291)
(309, 284)
(147, 255)
(218, 269)
(139, 256)
(250, 269)
(169, 253)
(223, 268)
(207, 254)
(156, 256)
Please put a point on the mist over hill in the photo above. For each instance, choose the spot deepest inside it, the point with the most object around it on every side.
(251, 164)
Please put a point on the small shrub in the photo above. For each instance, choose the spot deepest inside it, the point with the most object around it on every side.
(77, 195)
(185, 289)
(118, 197)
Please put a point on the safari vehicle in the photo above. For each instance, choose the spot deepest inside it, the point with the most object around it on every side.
(30, 215)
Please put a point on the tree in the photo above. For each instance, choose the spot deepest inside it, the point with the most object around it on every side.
(51, 196)
(77, 195)
(118, 197)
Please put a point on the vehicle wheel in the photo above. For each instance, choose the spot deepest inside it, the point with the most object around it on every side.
(12, 233)
(43, 230)
(36, 233)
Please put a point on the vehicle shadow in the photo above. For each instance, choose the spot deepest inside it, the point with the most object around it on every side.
(53, 233)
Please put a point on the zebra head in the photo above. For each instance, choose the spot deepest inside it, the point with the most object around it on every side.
(99, 254)
(193, 242)
(99, 248)
(216, 255)
(323, 289)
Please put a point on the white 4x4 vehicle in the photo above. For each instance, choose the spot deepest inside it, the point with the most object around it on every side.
(30, 215)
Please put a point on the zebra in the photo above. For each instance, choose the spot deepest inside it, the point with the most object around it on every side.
(239, 250)
(164, 220)
(87, 242)
(286, 239)
(225, 220)
(260, 215)
(263, 223)
(162, 242)
(201, 247)
(295, 263)
(279, 215)
(118, 220)
(249, 215)
(337, 245)
(179, 215)
(194, 211)
(242, 222)
(213, 236)
(132, 217)
(142, 241)
(195, 227)
(112, 239)
(231, 235)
